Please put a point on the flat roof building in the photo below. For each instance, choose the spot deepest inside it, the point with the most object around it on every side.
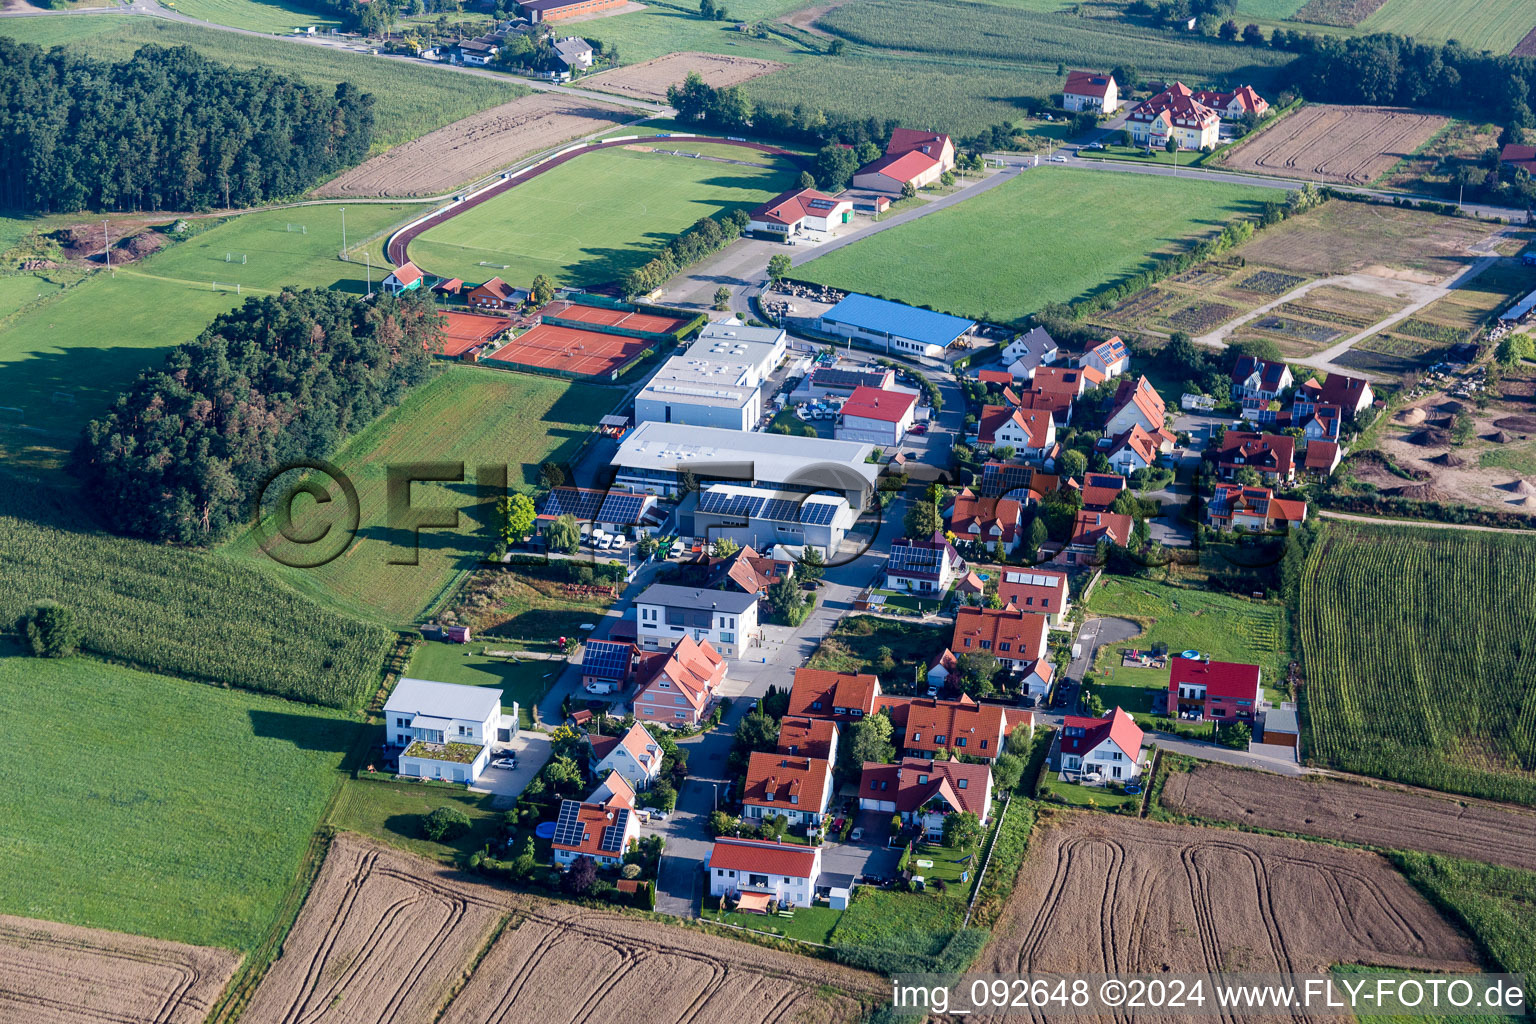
(655, 455)
(894, 327)
(760, 517)
(764, 347)
(704, 389)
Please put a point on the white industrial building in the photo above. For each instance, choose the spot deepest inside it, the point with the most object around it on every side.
(702, 390)
(764, 347)
(760, 517)
(654, 457)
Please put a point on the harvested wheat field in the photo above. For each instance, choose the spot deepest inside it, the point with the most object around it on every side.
(474, 147)
(1174, 898)
(58, 974)
(1386, 816)
(1348, 145)
(386, 937)
(649, 80)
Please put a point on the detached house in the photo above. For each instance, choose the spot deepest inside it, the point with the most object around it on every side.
(601, 827)
(495, 294)
(404, 278)
(1037, 592)
(1012, 636)
(1236, 507)
(635, 756)
(1321, 458)
(1092, 91)
(985, 521)
(446, 730)
(1351, 394)
(959, 726)
(1101, 749)
(1028, 352)
(755, 871)
(1213, 691)
(1088, 528)
(1174, 114)
(681, 690)
(840, 696)
(1233, 105)
(1322, 424)
(798, 788)
(1260, 379)
(1134, 449)
(1136, 404)
(922, 566)
(1029, 432)
(606, 665)
(664, 614)
(1101, 489)
(1273, 456)
(924, 792)
(1110, 358)
(800, 213)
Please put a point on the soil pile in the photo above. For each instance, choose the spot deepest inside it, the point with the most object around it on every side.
(1448, 459)
(1422, 492)
(1430, 437)
(1518, 424)
(1411, 417)
(1497, 437)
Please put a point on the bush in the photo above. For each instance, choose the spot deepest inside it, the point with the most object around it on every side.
(50, 630)
(445, 824)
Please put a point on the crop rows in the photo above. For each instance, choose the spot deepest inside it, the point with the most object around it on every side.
(183, 612)
(1420, 660)
(1328, 316)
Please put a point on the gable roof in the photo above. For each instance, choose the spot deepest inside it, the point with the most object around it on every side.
(875, 404)
(693, 669)
(982, 726)
(1109, 352)
(696, 598)
(1088, 83)
(970, 510)
(807, 737)
(496, 287)
(1138, 441)
(1322, 455)
(994, 376)
(1088, 528)
(907, 140)
(1180, 106)
(922, 559)
(904, 167)
(1042, 591)
(750, 571)
(613, 791)
(1117, 726)
(1227, 680)
(797, 204)
(1272, 453)
(607, 659)
(1022, 632)
(1035, 423)
(443, 700)
(792, 781)
(938, 778)
(1101, 489)
(1270, 373)
(762, 856)
(1066, 380)
(406, 273)
(597, 830)
(1343, 391)
(830, 690)
(1144, 396)
(637, 742)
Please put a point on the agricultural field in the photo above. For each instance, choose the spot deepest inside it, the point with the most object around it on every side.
(1053, 236)
(19, 290)
(1385, 817)
(67, 359)
(410, 99)
(181, 611)
(280, 17)
(1347, 145)
(1454, 714)
(177, 810)
(55, 974)
(1193, 899)
(659, 30)
(592, 220)
(477, 146)
(387, 937)
(482, 417)
(1498, 905)
(1224, 627)
(1496, 25)
(1343, 13)
(649, 80)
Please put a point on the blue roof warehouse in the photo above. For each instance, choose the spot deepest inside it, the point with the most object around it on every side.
(893, 327)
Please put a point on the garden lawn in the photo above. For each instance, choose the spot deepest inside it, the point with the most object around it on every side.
(482, 417)
(411, 99)
(876, 916)
(592, 220)
(1093, 797)
(276, 16)
(65, 360)
(854, 644)
(392, 812)
(166, 808)
(810, 924)
(1051, 235)
(525, 682)
(950, 864)
(1495, 25)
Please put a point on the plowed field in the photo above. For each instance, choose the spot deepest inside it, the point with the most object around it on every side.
(386, 937)
(1388, 817)
(1102, 893)
(649, 80)
(56, 974)
(1350, 145)
(474, 147)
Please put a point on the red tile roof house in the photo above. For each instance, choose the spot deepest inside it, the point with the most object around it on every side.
(1057, 402)
(403, 278)
(875, 416)
(924, 792)
(934, 144)
(1092, 91)
(1321, 458)
(840, 696)
(1088, 528)
(1213, 691)
(634, 755)
(1101, 489)
(808, 737)
(1036, 591)
(1272, 455)
(495, 294)
(1108, 747)
(1234, 104)
(1175, 113)
(1523, 157)
(1236, 507)
(1351, 394)
(799, 788)
(601, 827)
(1322, 425)
(1111, 358)
(1261, 379)
(757, 870)
(1135, 449)
(961, 727)
(922, 566)
(1012, 636)
(1136, 404)
(800, 213)
(680, 692)
(985, 521)
(994, 377)
(1029, 432)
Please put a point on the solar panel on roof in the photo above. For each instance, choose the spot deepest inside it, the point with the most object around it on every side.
(997, 480)
(620, 507)
(606, 659)
(569, 828)
(910, 559)
(572, 501)
(613, 835)
(724, 503)
(781, 510)
(818, 513)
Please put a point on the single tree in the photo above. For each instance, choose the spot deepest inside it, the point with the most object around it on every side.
(908, 190)
(50, 630)
(543, 290)
(1172, 145)
(515, 516)
(1074, 464)
(1007, 770)
(1228, 31)
(922, 519)
(724, 547)
(564, 534)
(961, 830)
(551, 474)
(977, 670)
(581, 877)
(778, 268)
(722, 298)
(811, 567)
(806, 181)
(445, 824)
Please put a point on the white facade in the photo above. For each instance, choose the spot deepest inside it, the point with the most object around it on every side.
(422, 716)
(664, 614)
(652, 457)
(1126, 460)
(1107, 759)
(794, 889)
(702, 390)
(1022, 440)
(763, 347)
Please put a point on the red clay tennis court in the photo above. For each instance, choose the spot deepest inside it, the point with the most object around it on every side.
(648, 322)
(465, 330)
(583, 353)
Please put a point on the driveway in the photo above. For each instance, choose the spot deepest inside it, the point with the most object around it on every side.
(532, 751)
(1096, 633)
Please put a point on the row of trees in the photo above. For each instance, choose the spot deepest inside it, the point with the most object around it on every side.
(707, 235)
(729, 108)
(167, 129)
(181, 456)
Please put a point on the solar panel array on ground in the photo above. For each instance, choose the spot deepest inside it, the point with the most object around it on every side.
(464, 331)
(570, 350)
(651, 323)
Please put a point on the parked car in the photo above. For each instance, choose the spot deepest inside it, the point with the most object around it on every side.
(1094, 145)
(509, 763)
(857, 835)
(1058, 159)
(919, 428)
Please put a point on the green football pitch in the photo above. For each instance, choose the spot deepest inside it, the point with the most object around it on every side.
(592, 220)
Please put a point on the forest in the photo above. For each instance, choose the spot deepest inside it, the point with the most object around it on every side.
(181, 456)
(167, 129)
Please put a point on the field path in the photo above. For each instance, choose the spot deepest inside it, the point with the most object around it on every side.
(1425, 523)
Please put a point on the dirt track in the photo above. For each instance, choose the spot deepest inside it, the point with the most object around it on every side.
(57, 974)
(650, 79)
(387, 937)
(1349, 145)
(474, 147)
(1377, 816)
(1102, 893)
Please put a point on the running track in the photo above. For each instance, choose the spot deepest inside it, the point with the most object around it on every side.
(400, 243)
